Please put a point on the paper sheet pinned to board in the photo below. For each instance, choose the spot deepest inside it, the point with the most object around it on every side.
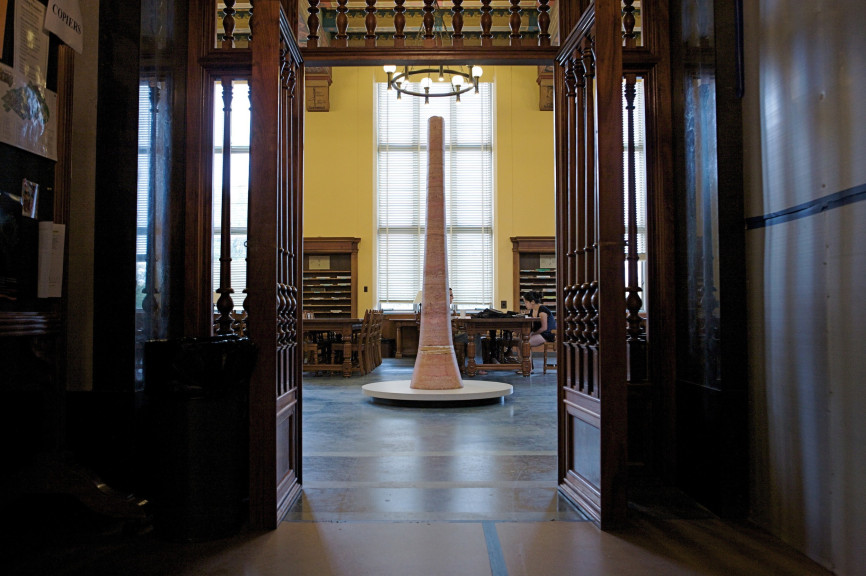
(28, 114)
(63, 18)
(30, 55)
(51, 245)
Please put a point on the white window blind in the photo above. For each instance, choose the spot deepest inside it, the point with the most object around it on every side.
(145, 147)
(240, 178)
(401, 195)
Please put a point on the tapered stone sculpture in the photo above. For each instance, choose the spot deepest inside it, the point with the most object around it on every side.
(436, 364)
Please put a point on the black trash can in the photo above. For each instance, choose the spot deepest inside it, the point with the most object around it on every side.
(197, 392)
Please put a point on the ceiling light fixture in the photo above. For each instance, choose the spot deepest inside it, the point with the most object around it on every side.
(461, 80)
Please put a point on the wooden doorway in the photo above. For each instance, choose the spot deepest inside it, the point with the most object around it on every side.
(589, 243)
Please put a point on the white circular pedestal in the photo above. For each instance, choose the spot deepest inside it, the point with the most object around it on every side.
(472, 392)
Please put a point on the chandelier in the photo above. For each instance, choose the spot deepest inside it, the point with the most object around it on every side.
(458, 81)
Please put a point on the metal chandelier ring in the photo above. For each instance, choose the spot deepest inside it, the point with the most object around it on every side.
(470, 85)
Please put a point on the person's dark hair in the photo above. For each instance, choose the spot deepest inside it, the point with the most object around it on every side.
(533, 296)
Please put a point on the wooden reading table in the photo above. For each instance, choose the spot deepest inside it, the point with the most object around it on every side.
(343, 326)
(399, 324)
(514, 324)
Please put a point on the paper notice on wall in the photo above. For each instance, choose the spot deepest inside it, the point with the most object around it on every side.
(63, 17)
(50, 265)
(31, 42)
(28, 114)
(546, 261)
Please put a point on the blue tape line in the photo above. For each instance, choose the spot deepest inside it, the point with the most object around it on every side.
(817, 206)
(494, 550)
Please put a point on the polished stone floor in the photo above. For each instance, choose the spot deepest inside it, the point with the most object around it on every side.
(392, 490)
(368, 461)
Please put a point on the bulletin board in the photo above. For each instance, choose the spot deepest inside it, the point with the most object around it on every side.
(28, 145)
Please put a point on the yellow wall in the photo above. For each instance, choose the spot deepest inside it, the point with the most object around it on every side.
(339, 180)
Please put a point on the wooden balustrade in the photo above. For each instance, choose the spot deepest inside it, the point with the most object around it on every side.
(440, 25)
(453, 25)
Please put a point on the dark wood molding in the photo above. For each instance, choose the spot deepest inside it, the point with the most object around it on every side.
(546, 244)
(417, 55)
(198, 237)
(326, 244)
(114, 283)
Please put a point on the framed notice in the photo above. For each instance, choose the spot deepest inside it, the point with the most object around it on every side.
(319, 262)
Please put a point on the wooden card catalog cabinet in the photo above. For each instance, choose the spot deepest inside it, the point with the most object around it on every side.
(534, 268)
(331, 277)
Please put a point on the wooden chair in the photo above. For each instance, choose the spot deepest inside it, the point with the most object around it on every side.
(311, 351)
(460, 352)
(376, 337)
(312, 346)
(361, 351)
(547, 347)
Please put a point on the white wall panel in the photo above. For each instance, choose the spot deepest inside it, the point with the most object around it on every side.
(846, 346)
(805, 141)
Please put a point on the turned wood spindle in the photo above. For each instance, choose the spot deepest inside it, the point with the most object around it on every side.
(243, 323)
(486, 23)
(429, 38)
(313, 24)
(628, 23)
(457, 24)
(370, 24)
(292, 81)
(224, 302)
(150, 302)
(571, 213)
(568, 313)
(342, 38)
(229, 24)
(293, 314)
(592, 363)
(514, 23)
(635, 326)
(580, 313)
(588, 186)
(579, 335)
(588, 183)
(633, 299)
(399, 24)
(250, 18)
(543, 23)
(282, 307)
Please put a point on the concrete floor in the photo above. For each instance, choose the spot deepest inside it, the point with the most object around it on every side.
(392, 490)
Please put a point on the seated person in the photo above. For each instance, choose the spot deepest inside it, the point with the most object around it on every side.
(543, 332)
